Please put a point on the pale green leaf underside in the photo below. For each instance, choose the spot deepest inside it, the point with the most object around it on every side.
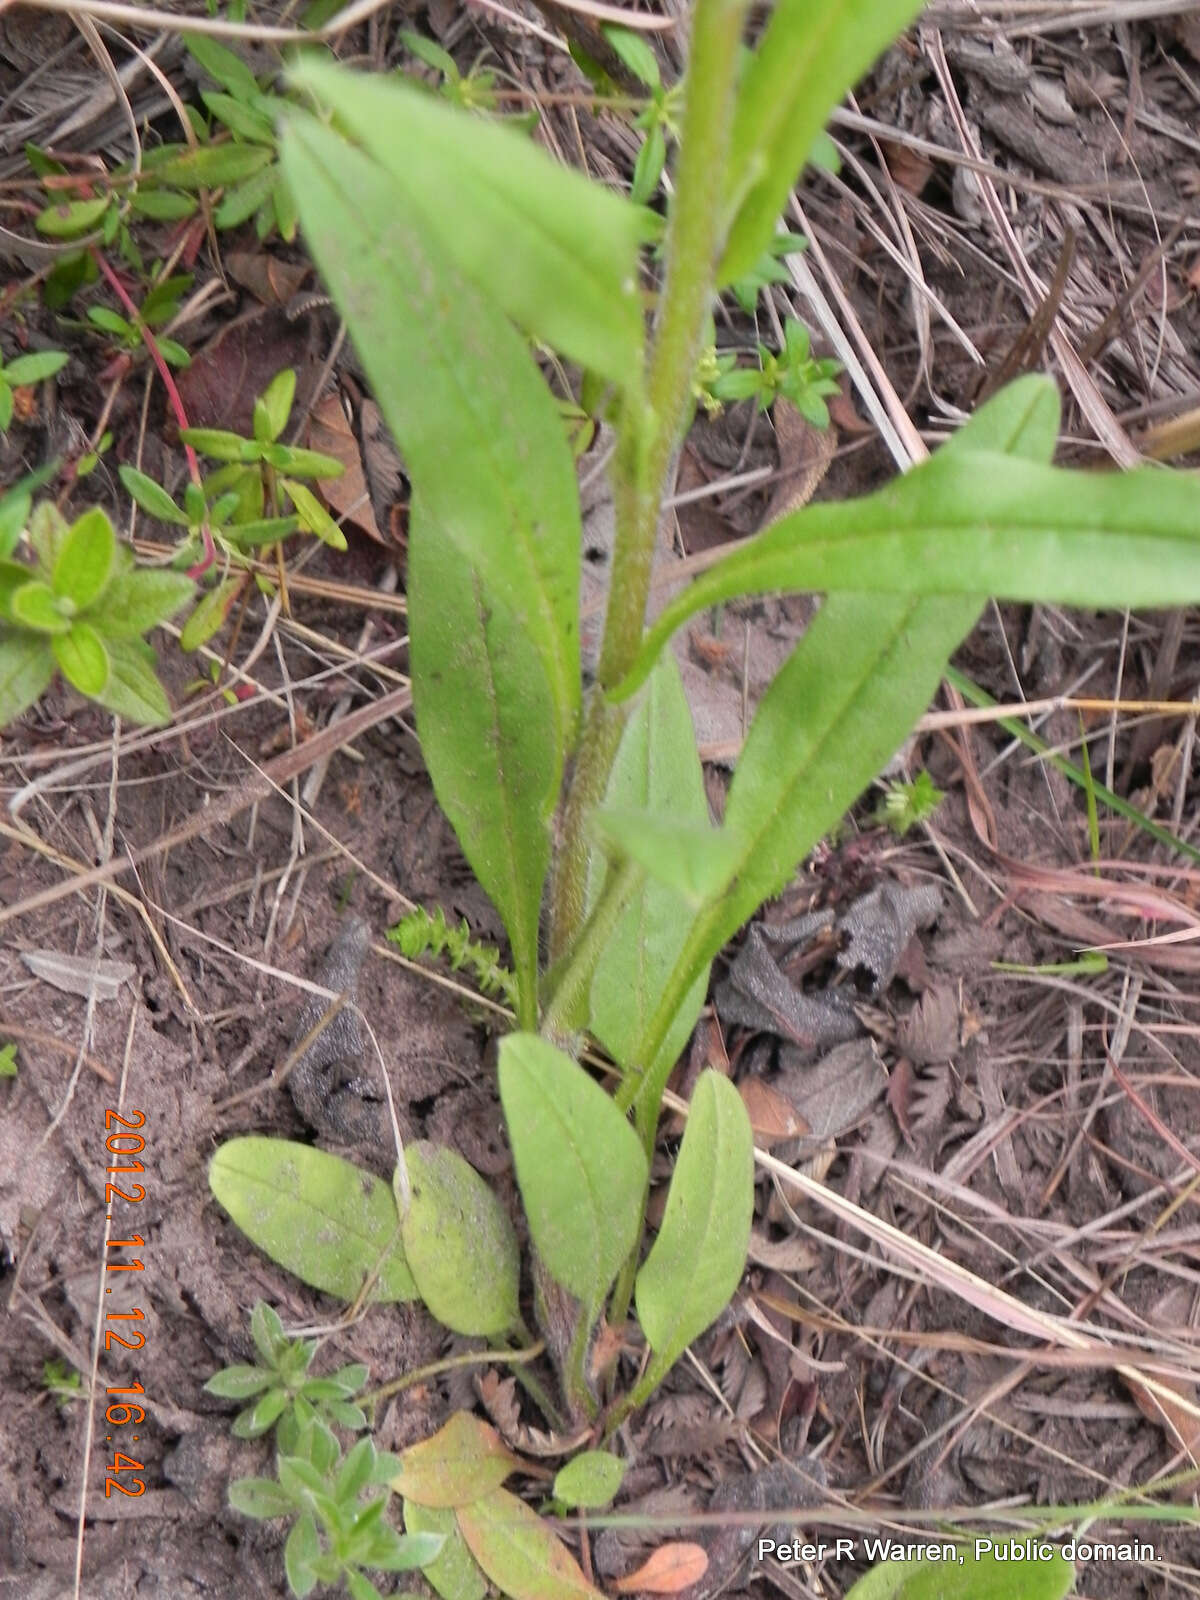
(984, 1578)
(556, 252)
(696, 1261)
(808, 57)
(657, 770)
(460, 1245)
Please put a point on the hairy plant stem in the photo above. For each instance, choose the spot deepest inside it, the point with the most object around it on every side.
(650, 427)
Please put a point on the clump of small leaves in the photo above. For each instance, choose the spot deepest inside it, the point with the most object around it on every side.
(338, 1536)
(8, 1060)
(792, 374)
(159, 306)
(420, 933)
(61, 1381)
(904, 805)
(255, 499)
(23, 370)
(285, 1396)
(82, 609)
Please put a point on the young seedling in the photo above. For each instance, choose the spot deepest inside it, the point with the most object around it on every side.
(23, 370)
(82, 609)
(254, 500)
(284, 1396)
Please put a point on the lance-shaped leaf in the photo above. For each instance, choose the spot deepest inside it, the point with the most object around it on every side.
(580, 1167)
(808, 57)
(558, 253)
(495, 536)
(696, 1261)
(982, 1576)
(845, 699)
(974, 522)
(26, 667)
(657, 770)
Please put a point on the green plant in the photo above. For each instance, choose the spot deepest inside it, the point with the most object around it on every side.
(792, 374)
(335, 1534)
(285, 1396)
(32, 368)
(904, 805)
(158, 307)
(61, 1381)
(643, 890)
(8, 1060)
(255, 499)
(83, 608)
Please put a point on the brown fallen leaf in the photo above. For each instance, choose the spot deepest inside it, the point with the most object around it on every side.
(667, 1570)
(329, 431)
(772, 1116)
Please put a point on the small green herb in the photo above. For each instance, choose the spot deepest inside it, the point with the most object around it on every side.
(63, 1382)
(419, 933)
(904, 805)
(22, 370)
(82, 608)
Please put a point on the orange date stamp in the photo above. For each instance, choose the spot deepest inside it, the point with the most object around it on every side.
(124, 1145)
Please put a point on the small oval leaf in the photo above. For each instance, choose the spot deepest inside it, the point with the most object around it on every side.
(580, 1167)
(460, 1244)
(463, 1460)
(697, 1259)
(82, 658)
(330, 1223)
(590, 1481)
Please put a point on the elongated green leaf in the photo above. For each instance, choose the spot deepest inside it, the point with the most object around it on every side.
(519, 1552)
(590, 1480)
(658, 770)
(34, 367)
(82, 658)
(696, 1261)
(330, 1223)
(970, 522)
(558, 253)
(580, 1168)
(460, 1245)
(808, 57)
(464, 1459)
(972, 1577)
(133, 691)
(68, 221)
(26, 667)
(210, 613)
(151, 496)
(212, 166)
(494, 544)
(138, 600)
(489, 733)
(220, 444)
(86, 559)
(455, 1574)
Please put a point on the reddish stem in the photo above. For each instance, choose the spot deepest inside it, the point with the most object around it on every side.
(173, 396)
